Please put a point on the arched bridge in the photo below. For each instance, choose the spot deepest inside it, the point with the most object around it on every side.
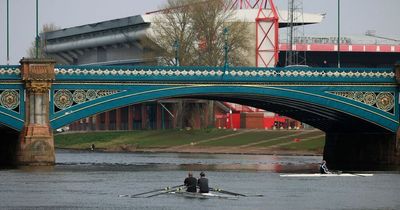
(356, 107)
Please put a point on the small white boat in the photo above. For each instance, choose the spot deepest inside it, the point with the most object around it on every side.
(327, 175)
(202, 195)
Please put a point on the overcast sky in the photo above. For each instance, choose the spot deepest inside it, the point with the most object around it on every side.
(357, 16)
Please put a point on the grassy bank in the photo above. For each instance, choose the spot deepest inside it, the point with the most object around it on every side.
(175, 140)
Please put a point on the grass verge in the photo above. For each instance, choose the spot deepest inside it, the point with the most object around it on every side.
(145, 139)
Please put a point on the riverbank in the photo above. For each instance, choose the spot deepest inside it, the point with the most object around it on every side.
(212, 141)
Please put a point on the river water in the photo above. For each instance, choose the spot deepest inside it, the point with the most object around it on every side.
(93, 180)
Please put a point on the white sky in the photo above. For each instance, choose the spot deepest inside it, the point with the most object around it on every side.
(357, 16)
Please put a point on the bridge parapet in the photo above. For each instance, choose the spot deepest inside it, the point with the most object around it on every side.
(212, 74)
(219, 74)
(11, 72)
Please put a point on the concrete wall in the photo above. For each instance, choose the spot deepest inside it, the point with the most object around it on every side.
(100, 54)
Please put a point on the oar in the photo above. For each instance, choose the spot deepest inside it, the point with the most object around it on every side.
(235, 194)
(166, 191)
(143, 193)
(227, 192)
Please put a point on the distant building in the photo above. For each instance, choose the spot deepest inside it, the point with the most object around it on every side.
(355, 51)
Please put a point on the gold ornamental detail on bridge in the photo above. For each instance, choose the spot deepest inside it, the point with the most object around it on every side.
(64, 99)
(10, 99)
(382, 100)
(37, 86)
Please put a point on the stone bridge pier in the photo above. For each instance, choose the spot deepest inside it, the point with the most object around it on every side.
(36, 143)
(361, 151)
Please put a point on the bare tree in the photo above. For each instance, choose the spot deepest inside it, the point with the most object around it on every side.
(173, 32)
(32, 50)
(216, 26)
(195, 29)
(198, 30)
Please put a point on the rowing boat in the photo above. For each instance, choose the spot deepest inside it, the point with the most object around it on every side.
(181, 191)
(202, 195)
(327, 175)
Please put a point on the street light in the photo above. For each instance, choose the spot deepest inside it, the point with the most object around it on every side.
(37, 29)
(8, 34)
(226, 48)
(338, 40)
(176, 47)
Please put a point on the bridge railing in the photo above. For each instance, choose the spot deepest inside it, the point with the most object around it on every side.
(211, 74)
(219, 74)
(11, 72)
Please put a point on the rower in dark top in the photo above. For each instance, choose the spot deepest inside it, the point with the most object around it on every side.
(323, 169)
(190, 183)
(203, 183)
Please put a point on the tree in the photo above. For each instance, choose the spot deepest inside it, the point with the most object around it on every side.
(195, 29)
(210, 20)
(41, 53)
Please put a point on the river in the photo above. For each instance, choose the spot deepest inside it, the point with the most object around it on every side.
(93, 180)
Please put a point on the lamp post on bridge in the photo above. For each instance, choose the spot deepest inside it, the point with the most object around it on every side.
(226, 49)
(37, 30)
(176, 47)
(8, 34)
(338, 39)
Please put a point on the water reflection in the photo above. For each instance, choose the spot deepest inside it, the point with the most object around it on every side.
(273, 167)
(176, 161)
(92, 161)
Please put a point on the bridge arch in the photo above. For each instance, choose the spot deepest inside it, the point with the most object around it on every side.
(10, 121)
(324, 110)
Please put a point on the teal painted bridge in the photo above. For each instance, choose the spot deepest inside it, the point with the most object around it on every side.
(326, 98)
(358, 105)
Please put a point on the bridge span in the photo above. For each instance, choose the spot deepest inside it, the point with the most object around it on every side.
(357, 108)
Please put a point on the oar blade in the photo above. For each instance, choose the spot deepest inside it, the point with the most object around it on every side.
(256, 195)
(166, 191)
(122, 196)
(228, 192)
(152, 191)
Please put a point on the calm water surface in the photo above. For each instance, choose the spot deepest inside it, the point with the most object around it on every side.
(91, 180)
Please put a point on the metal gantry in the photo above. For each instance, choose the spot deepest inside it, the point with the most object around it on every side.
(267, 29)
(295, 33)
